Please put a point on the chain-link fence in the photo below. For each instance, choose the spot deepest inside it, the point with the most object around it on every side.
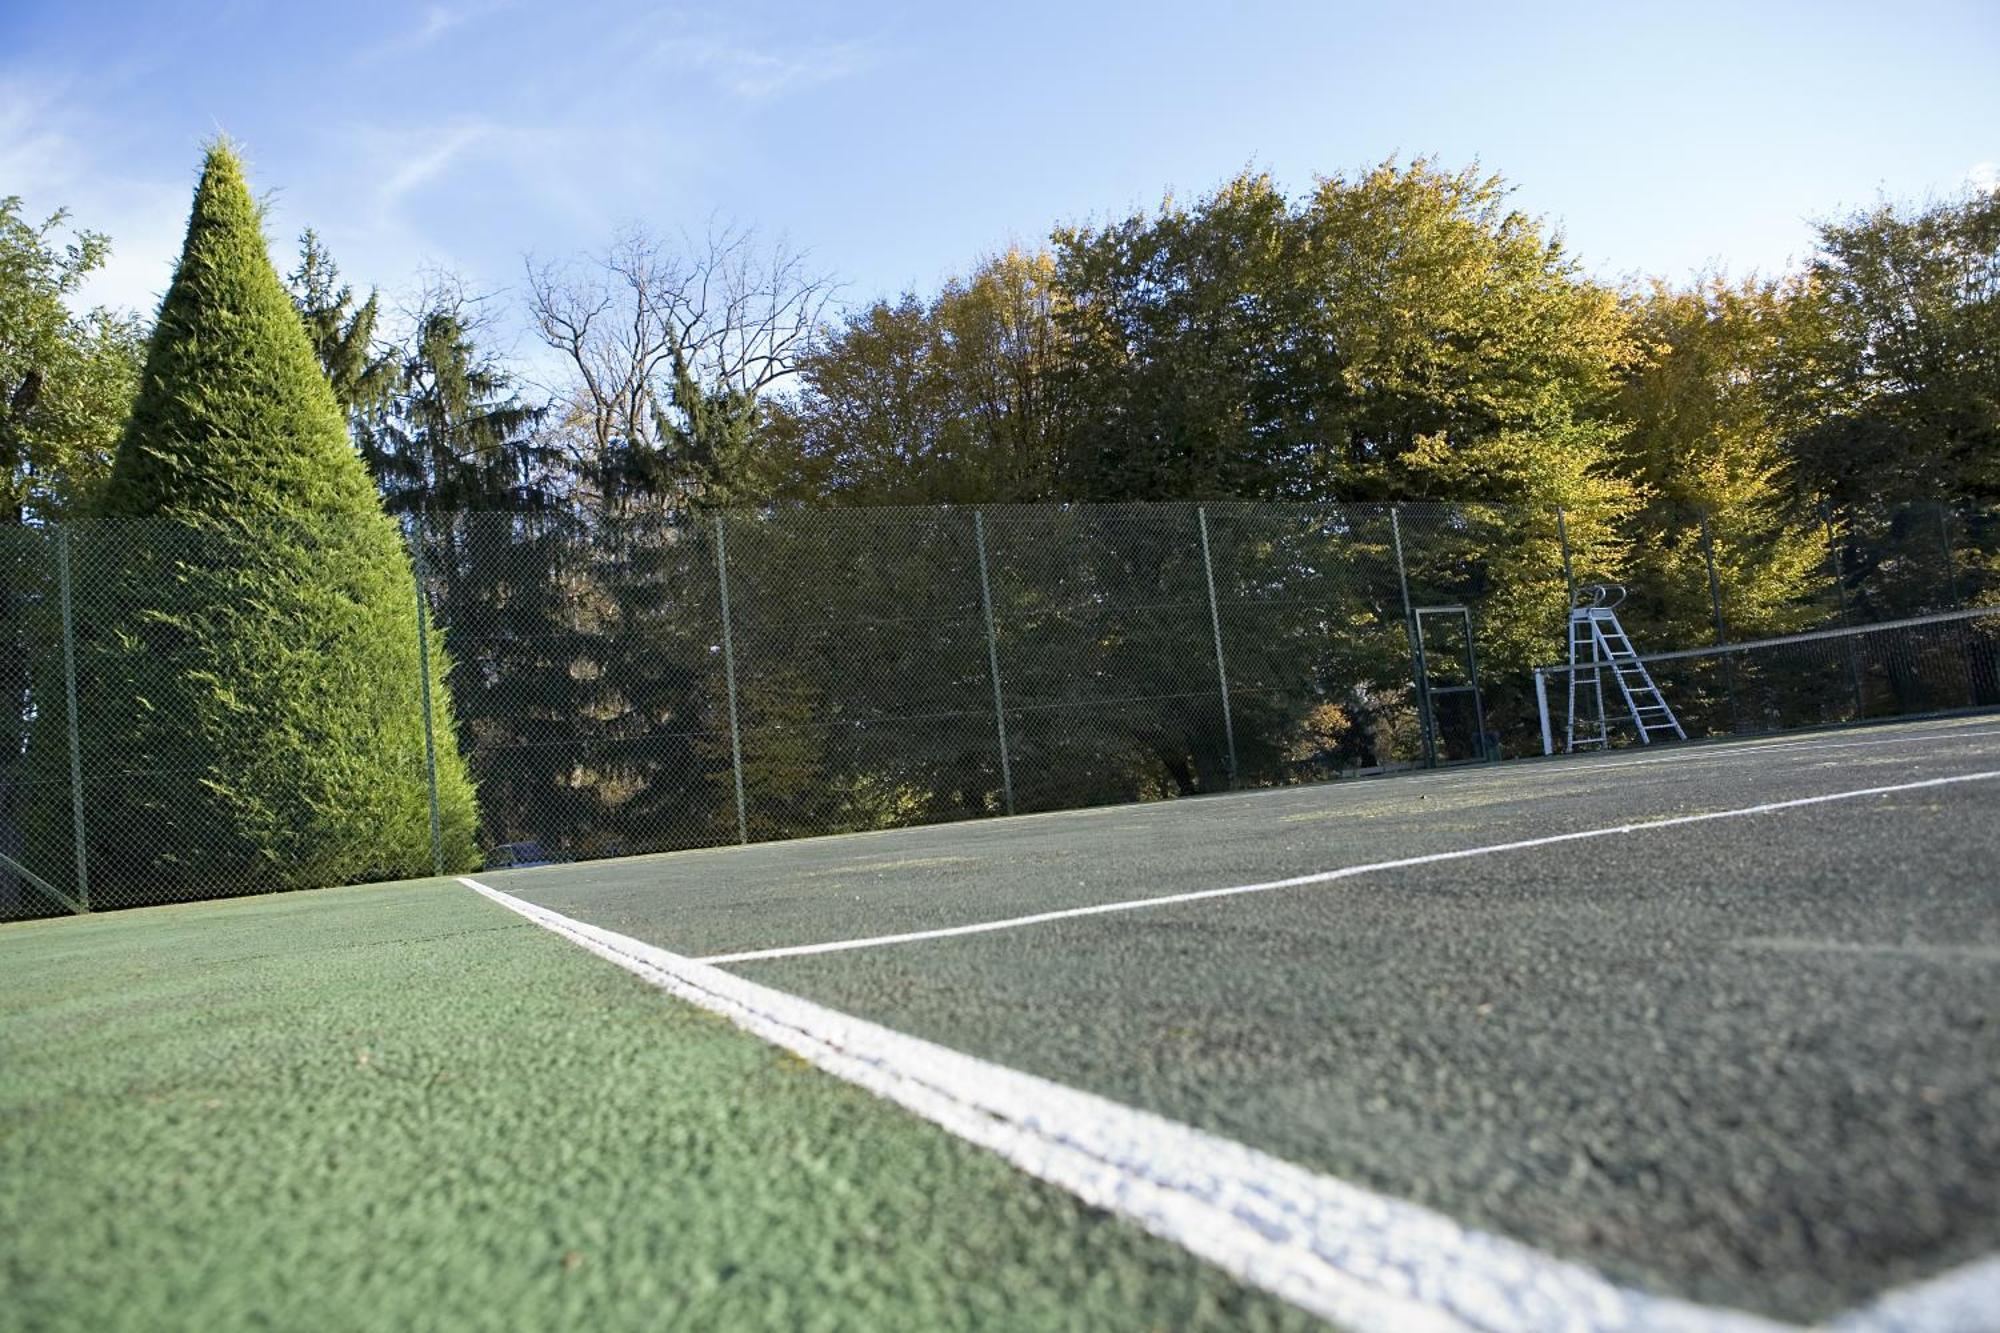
(188, 723)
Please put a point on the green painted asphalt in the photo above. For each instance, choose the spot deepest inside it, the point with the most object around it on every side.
(403, 1107)
(1754, 1062)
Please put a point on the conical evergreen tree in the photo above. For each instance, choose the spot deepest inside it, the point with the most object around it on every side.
(247, 624)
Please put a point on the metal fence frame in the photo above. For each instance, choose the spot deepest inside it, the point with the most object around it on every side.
(999, 620)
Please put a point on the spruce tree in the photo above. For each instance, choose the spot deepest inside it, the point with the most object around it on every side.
(247, 622)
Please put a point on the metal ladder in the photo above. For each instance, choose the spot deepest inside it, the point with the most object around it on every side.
(1597, 642)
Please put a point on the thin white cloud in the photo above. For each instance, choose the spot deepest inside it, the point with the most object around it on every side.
(434, 22)
(424, 155)
(52, 163)
(759, 75)
(1983, 176)
(30, 151)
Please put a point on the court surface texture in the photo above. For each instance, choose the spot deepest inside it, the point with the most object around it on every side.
(1668, 1037)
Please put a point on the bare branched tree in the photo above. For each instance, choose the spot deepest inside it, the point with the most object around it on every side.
(669, 351)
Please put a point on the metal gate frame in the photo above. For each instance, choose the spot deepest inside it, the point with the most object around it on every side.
(1431, 692)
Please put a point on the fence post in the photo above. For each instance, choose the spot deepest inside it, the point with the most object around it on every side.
(1950, 565)
(729, 674)
(1840, 594)
(1569, 573)
(1542, 711)
(993, 661)
(1721, 627)
(1421, 676)
(424, 680)
(1714, 583)
(1215, 622)
(75, 739)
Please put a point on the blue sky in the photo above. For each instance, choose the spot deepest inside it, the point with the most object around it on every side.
(897, 142)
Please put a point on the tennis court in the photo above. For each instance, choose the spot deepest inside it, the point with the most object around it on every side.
(1696, 1038)
(1743, 1058)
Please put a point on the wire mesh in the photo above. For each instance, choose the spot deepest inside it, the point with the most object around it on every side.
(210, 711)
(1315, 640)
(586, 680)
(862, 675)
(1894, 561)
(610, 684)
(33, 778)
(1106, 651)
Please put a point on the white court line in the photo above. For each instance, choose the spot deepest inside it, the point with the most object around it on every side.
(1327, 876)
(1368, 1262)
(1775, 746)
(1965, 1300)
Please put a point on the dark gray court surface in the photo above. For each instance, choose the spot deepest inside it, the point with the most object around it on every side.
(1753, 1061)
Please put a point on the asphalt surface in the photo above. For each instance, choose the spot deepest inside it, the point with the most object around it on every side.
(1754, 1062)
(404, 1107)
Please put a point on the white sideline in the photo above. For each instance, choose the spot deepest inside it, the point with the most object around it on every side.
(1327, 876)
(1365, 1261)
(1784, 747)
(1965, 1300)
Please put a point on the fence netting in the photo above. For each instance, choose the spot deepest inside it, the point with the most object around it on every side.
(649, 682)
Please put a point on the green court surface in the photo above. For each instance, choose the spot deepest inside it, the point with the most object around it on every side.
(402, 1107)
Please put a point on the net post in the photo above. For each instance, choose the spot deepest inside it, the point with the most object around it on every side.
(424, 684)
(729, 676)
(1215, 622)
(1721, 628)
(75, 738)
(1419, 678)
(993, 661)
(1542, 710)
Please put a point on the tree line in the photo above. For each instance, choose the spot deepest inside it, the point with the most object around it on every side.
(1400, 333)
(1394, 336)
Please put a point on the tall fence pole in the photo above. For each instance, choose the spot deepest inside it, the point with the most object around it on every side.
(1840, 595)
(729, 674)
(1569, 572)
(1420, 676)
(1721, 627)
(993, 661)
(1950, 564)
(1215, 623)
(424, 680)
(75, 738)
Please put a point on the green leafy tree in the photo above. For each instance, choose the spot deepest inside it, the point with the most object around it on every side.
(66, 384)
(1894, 400)
(1253, 347)
(248, 639)
(955, 400)
(1707, 444)
(1901, 386)
(1181, 339)
(1442, 318)
(66, 380)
